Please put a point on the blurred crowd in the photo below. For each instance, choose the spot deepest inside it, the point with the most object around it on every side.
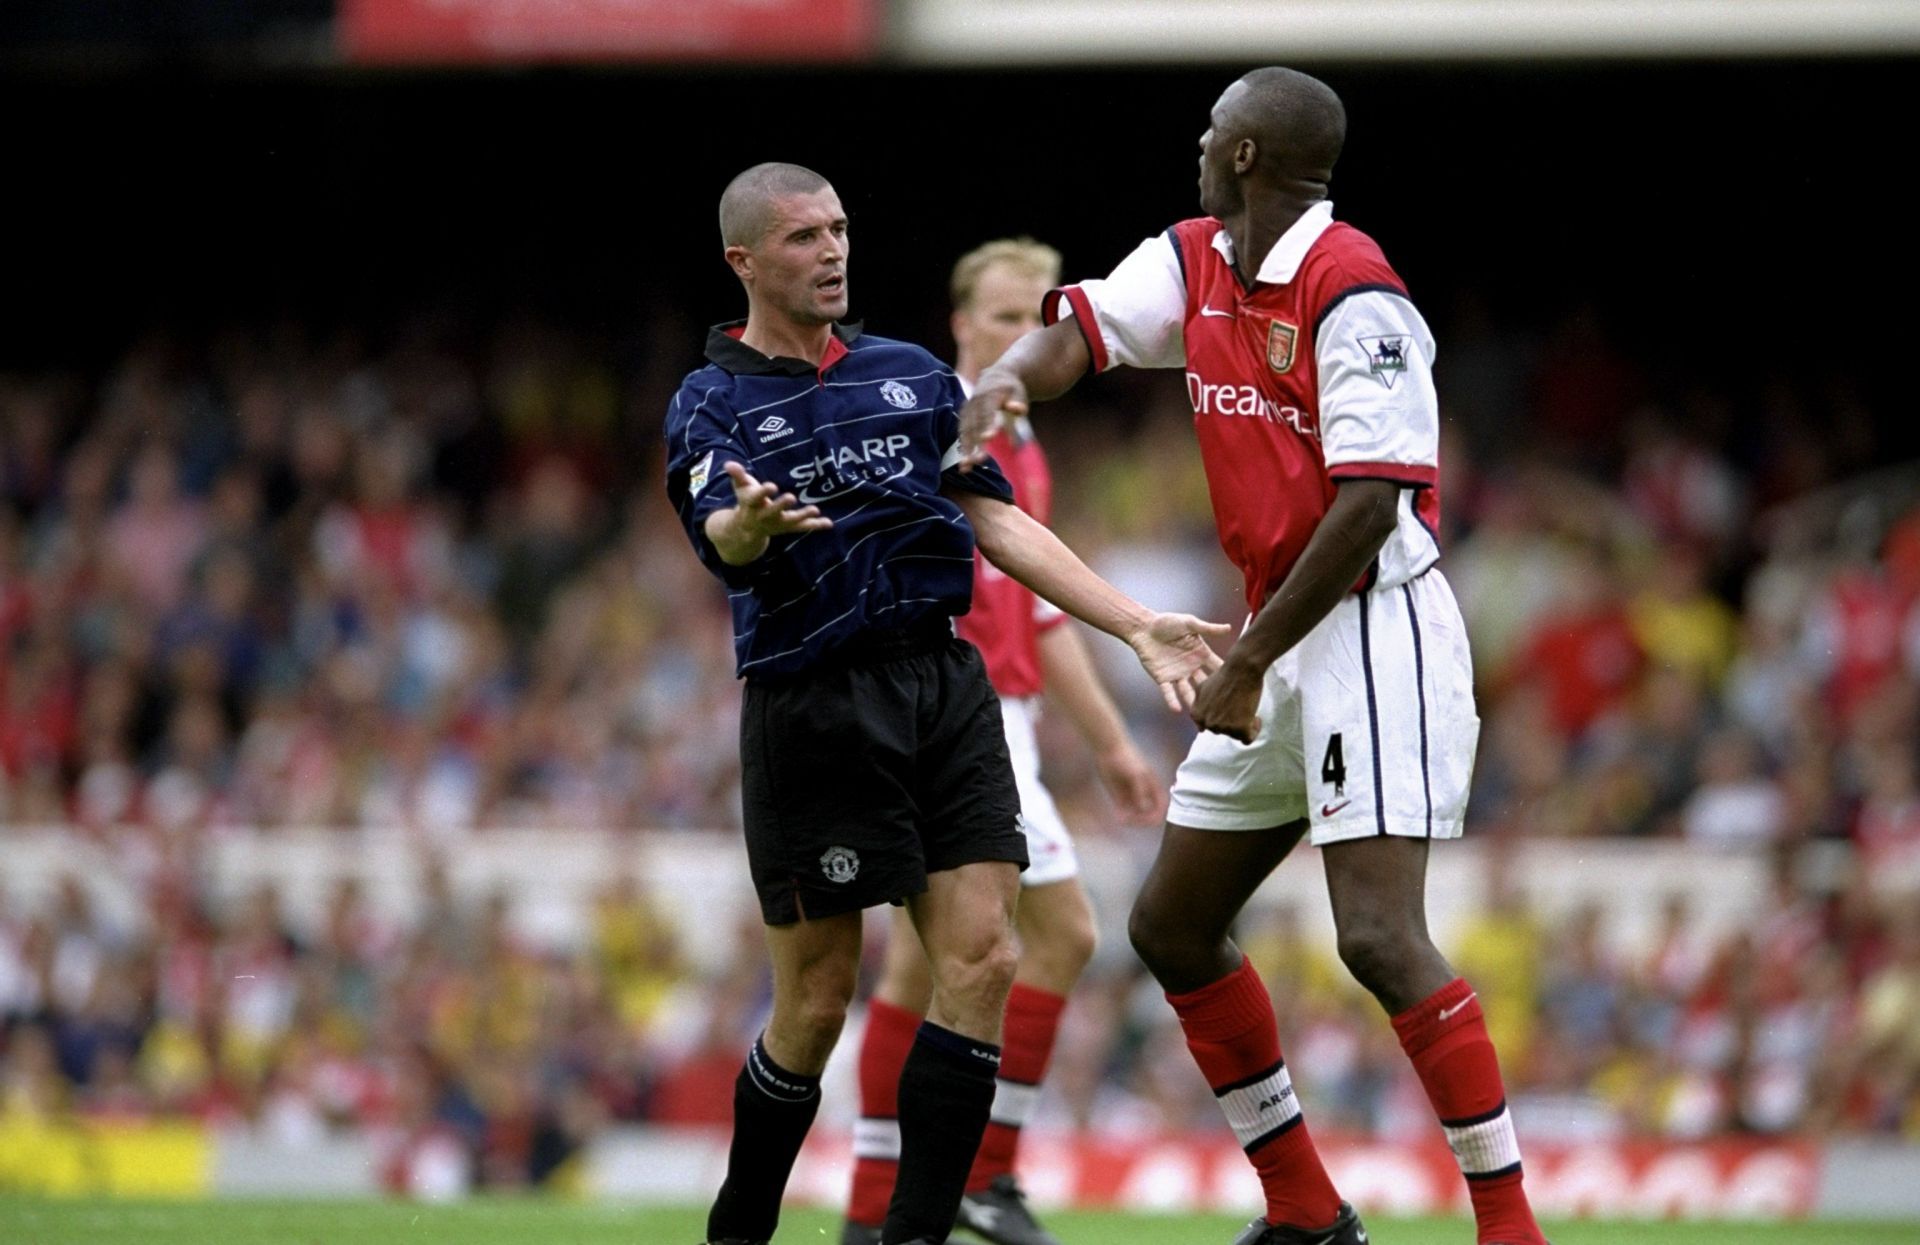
(418, 586)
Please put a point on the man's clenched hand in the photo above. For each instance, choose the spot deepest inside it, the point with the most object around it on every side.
(999, 398)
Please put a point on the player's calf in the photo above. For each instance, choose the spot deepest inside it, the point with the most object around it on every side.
(1445, 1037)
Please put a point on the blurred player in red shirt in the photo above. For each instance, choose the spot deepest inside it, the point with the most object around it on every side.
(1344, 713)
(1028, 646)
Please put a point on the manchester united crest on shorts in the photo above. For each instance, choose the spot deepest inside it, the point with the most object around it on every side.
(1280, 340)
(840, 864)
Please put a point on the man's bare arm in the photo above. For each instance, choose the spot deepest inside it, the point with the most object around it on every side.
(1171, 647)
(1072, 683)
(1345, 543)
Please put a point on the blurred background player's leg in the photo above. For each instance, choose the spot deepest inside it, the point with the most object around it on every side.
(1055, 926)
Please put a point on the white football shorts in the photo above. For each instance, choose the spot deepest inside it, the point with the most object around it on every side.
(1366, 728)
(1050, 855)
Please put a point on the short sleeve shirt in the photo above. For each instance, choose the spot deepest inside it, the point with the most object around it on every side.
(1319, 371)
(871, 436)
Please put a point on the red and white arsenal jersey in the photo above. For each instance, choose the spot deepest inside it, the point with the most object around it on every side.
(1007, 619)
(1322, 371)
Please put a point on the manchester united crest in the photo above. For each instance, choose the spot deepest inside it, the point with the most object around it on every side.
(1280, 340)
(840, 864)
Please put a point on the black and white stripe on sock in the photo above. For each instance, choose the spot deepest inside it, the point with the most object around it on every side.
(1485, 1144)
(876, 1138)
(1013, 1103)
(1260, 1107)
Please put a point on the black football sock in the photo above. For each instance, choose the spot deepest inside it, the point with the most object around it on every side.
(772, 1110)
(946, 1093)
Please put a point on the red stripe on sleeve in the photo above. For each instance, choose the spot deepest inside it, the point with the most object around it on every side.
(1076, 300)
(1419, 475)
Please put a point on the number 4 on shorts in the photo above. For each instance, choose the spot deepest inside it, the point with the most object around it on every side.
(1333, 767)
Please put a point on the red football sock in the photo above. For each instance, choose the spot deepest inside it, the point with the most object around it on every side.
(1033, 1018)
(1231, 1031)
(876, 1137)
(1446, 1038)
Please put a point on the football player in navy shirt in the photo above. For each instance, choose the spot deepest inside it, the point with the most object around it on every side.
(816, 472)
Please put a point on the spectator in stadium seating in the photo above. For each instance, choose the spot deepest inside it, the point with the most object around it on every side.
(1886, 830)
(1582, 654)
(156, 534)
(1678, 623)
(1735, 803)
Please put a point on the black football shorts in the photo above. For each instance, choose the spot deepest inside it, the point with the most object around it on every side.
(861, 777)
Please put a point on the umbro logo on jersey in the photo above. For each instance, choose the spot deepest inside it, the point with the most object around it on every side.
(1386, 357)
(899, 395)
(1215, 311)
(772, 428)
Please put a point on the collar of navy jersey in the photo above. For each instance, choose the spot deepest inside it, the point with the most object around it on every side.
(1282, 263)
(725, 349)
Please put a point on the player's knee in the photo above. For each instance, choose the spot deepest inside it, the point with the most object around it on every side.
(1376, 953)
(826, 991)
(904, 976)
(1156, 939)
(1077, 942)
(981, 971)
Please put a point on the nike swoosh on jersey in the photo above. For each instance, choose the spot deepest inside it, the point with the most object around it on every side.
(1214, 311)
(1328, 810)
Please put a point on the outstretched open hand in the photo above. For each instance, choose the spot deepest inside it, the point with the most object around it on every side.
(1174, 652)
(766, 511)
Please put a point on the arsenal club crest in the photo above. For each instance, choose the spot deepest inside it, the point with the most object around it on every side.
(1280, 340)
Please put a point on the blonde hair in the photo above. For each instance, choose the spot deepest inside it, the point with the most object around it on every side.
(1023, 254)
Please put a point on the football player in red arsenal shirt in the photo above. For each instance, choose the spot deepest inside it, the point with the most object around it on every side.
(1345, 711)
(997, 292)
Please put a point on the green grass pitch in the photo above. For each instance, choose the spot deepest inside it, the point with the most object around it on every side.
(534, 1222)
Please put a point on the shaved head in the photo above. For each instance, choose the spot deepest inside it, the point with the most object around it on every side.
(746, 206)
(1294, 120)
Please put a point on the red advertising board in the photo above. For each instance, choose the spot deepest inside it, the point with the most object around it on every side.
(475, 31)
(1726, 1179)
